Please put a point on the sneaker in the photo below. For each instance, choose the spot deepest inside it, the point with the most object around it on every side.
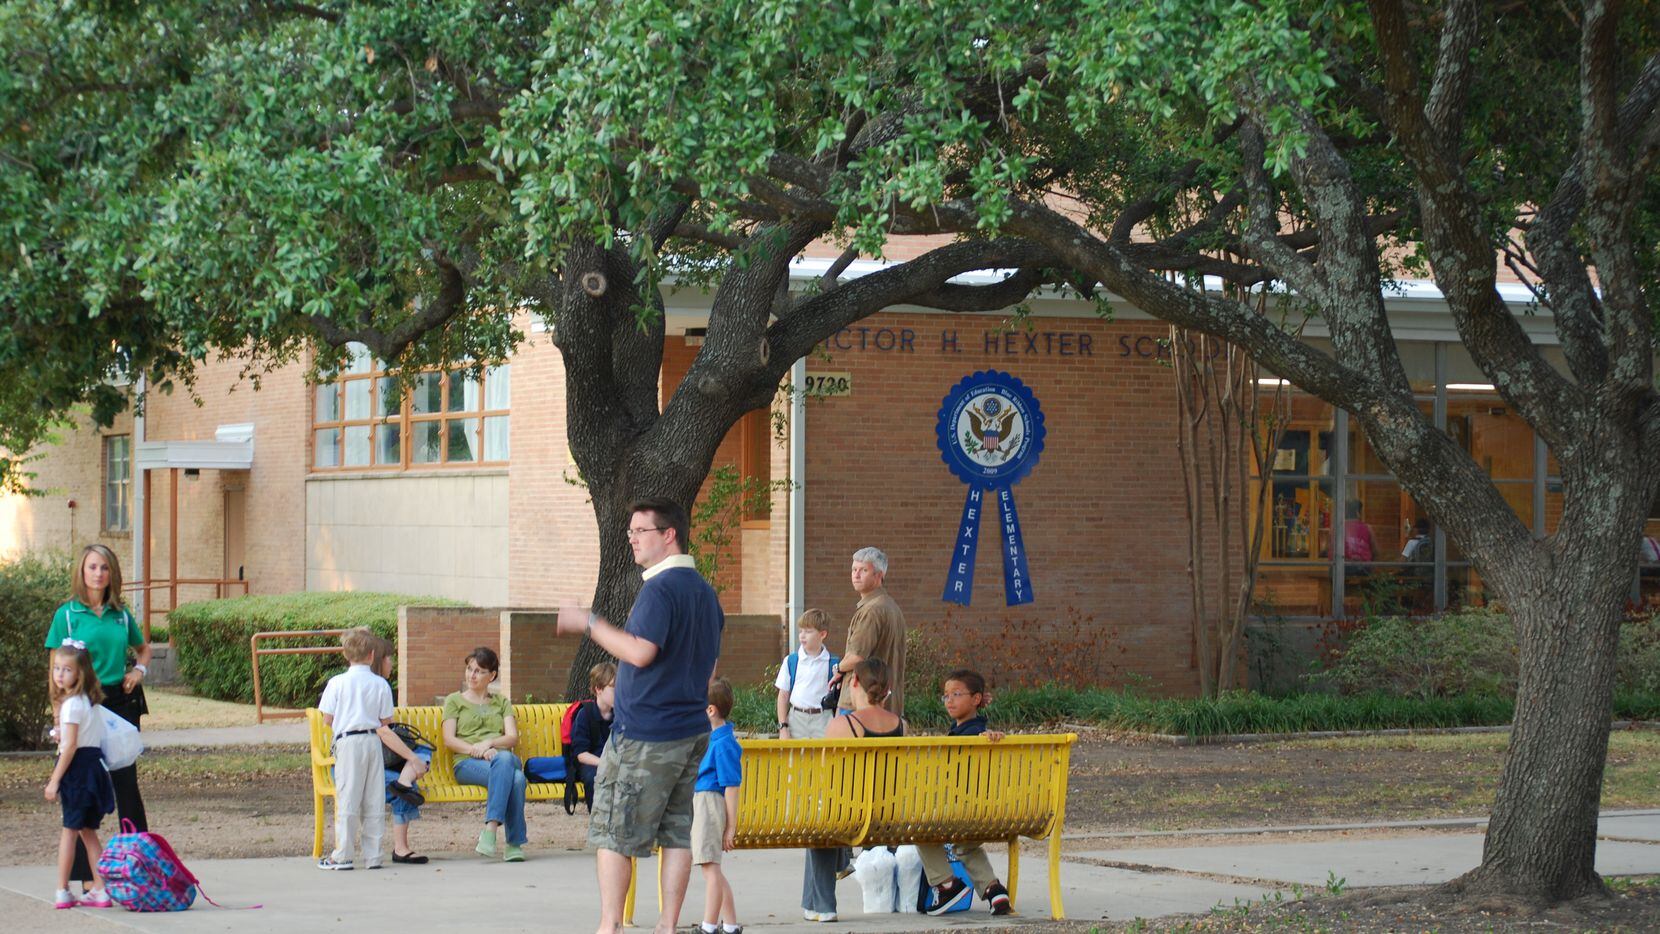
(819, 915)
(999, 899)
(64, 899)
(328, 862)
(949, 895)
(406, 793)
(486, 843)
(97, 898)
(513, 854)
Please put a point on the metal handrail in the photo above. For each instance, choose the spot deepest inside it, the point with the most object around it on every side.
(256, 652)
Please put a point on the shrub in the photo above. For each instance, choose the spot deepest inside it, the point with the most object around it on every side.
(1469, 652)
(31, 587)
(1048, 706)
(1638, 668)
(211, 637)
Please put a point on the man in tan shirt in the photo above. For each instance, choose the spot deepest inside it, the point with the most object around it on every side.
(878, 627)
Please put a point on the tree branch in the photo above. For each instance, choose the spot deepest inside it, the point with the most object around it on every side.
(1453, 71)
(705, 234)
(1461, 254)
(992, 297)
(1261, 237)
(823, 314)
(450, 301)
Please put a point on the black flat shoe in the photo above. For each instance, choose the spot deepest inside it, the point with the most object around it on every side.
(408, 858)
(406, 794)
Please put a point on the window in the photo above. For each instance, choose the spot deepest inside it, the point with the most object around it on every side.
(1389, 557)
(364, 419)
(755, 464)
(118, 483)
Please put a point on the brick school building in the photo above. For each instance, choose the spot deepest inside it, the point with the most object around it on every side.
(465, 488)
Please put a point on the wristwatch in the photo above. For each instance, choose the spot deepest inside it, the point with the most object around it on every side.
(782, 725)
(141, 669)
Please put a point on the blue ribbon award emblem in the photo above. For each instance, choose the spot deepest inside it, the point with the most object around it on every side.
(990, 435)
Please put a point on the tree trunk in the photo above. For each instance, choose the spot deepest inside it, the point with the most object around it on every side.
(1541, 840)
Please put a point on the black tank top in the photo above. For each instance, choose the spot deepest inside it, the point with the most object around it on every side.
(898, 730)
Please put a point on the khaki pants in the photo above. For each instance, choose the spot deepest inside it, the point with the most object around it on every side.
(937, 866)
(359, 798)
(809, 725)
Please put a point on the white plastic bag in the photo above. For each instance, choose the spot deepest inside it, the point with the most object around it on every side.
(122, 744)
(874, 870)
(908, 867)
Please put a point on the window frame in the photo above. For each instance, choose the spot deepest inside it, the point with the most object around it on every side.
(366, 369)
(108, 484)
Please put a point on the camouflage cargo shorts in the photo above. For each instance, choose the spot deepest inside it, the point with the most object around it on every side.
(643, 795)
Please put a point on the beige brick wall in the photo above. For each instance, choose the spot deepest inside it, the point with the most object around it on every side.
(72, 469)
(275, 489)
(552, 539)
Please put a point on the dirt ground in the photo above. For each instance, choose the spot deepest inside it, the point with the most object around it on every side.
(256, 802)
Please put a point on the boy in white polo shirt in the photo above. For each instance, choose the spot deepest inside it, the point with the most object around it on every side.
(803, 678)
(357, 706)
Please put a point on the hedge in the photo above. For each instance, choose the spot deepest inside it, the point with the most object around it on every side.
(31, 587)
(1238, 712)
(210, 640)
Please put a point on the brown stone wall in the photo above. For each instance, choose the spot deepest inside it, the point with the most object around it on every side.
(432, 641)
(1102, 513)
(750, 645)
(535, 662)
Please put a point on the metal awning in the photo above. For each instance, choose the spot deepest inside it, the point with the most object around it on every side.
(232, 449)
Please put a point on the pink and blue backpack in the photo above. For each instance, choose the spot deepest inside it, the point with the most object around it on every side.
(142, 873)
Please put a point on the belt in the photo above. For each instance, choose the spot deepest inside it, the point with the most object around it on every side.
(352, 733)
(806, 709)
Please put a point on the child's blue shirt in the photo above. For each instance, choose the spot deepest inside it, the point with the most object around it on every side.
(722, 765)
(972, 727)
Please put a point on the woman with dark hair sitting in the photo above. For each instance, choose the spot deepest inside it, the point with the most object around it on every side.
(865, 688)
(479, 728)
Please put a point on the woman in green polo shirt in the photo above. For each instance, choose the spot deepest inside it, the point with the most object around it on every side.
(97, 616)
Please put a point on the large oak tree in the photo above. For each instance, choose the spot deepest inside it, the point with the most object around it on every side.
(1316, 146)
(271, 180)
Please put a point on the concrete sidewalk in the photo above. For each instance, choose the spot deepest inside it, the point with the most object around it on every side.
(555, 892)
(276, 732)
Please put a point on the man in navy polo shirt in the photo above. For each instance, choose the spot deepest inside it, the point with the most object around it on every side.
(665, 656)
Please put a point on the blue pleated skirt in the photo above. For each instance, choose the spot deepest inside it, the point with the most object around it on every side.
(85, 792)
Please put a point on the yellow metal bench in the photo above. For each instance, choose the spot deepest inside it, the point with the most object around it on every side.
(538, 736)
(913, 789)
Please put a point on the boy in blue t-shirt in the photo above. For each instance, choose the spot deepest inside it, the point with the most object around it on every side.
(715, 810)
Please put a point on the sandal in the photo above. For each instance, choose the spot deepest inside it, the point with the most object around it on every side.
(409, 857)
